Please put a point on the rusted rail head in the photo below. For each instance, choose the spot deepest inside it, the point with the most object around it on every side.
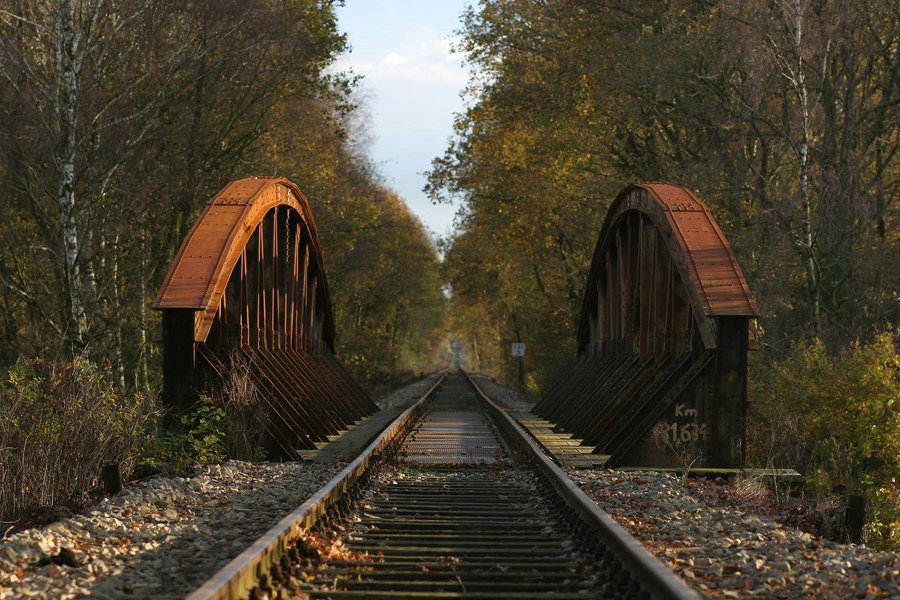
(248, 286)
(661, 378)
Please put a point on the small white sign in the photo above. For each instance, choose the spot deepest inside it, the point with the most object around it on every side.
(518, 349)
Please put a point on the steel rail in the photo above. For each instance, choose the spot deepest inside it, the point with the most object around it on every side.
(238, 577)
(655, 577)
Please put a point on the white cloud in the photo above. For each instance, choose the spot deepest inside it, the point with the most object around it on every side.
(427, 62)
(409, 91)
(393, 60)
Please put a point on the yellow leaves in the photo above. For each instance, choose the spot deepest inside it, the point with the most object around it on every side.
(836, 414)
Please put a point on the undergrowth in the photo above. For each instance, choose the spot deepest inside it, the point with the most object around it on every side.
(60, 424)
(836, 419)
(197, 437)
(229, 423)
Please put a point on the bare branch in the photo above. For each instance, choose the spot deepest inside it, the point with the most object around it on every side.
(22, 19)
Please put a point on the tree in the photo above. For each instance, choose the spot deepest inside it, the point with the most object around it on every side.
(525, 164)
(382, 267)
(58, 62)
(781, 114)
(790, 105)
(120, 120)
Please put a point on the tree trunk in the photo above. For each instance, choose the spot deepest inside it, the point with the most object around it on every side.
(793, 14)
(67, 65)
(141, 378)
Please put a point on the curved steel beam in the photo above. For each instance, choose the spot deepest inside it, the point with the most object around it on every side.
(709, 271)
(200, 272)
(247, 290)
(662, 339)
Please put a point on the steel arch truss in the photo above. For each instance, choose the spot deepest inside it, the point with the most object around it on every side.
(662, 341)
(248, 285)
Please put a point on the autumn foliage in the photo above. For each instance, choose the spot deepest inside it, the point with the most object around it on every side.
(782, 116)
(837, 420)
(118, 121)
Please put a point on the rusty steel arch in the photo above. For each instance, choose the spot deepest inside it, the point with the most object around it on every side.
(662, 340)
(248, 284)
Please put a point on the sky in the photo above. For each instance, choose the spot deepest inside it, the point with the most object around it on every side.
(411, 89)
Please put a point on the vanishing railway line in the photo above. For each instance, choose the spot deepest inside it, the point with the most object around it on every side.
(665, 326)
(452, 501)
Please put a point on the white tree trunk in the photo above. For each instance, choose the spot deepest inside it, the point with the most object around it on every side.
(68, 66)
(806, 226)
(792, 13)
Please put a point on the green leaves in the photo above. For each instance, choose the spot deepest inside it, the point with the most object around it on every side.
(198, 438)
(832, 418)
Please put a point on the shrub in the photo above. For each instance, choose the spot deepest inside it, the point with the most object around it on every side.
(199, 437)
(60, 424)
(835, 419)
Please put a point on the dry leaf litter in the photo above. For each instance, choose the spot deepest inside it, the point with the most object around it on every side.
(163, 537)
(726, 546)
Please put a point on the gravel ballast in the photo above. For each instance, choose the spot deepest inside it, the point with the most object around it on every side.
(723, 551)
(163, 537)
(160, 538)
(728, 553)
(408, 394)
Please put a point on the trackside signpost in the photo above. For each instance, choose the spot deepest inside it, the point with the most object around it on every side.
(518, 351)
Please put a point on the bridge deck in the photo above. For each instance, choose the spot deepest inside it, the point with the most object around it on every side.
(563, 447)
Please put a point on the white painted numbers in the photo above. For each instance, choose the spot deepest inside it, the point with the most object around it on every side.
(687, 432)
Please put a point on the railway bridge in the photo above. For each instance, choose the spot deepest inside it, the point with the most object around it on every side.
(661, 375)
(248, 285)
(665, 326)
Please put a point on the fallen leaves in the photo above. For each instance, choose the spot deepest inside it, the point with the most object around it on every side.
(328, 549)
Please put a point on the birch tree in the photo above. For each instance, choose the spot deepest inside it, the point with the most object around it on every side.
(783, 115)
(87, 84)
(831, 113)
(120, 118)
(788, 53)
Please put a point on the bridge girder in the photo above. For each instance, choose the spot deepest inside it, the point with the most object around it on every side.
(248, 284)
(662, 340)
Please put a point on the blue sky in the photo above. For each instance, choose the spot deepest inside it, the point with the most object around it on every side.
(411, 85)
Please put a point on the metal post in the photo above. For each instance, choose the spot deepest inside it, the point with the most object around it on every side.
(519, 374)
(518, 351)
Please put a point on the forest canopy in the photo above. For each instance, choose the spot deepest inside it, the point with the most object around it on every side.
(783, 116)
(119, 120)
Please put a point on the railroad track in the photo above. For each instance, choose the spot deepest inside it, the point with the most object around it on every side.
(453, 500)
